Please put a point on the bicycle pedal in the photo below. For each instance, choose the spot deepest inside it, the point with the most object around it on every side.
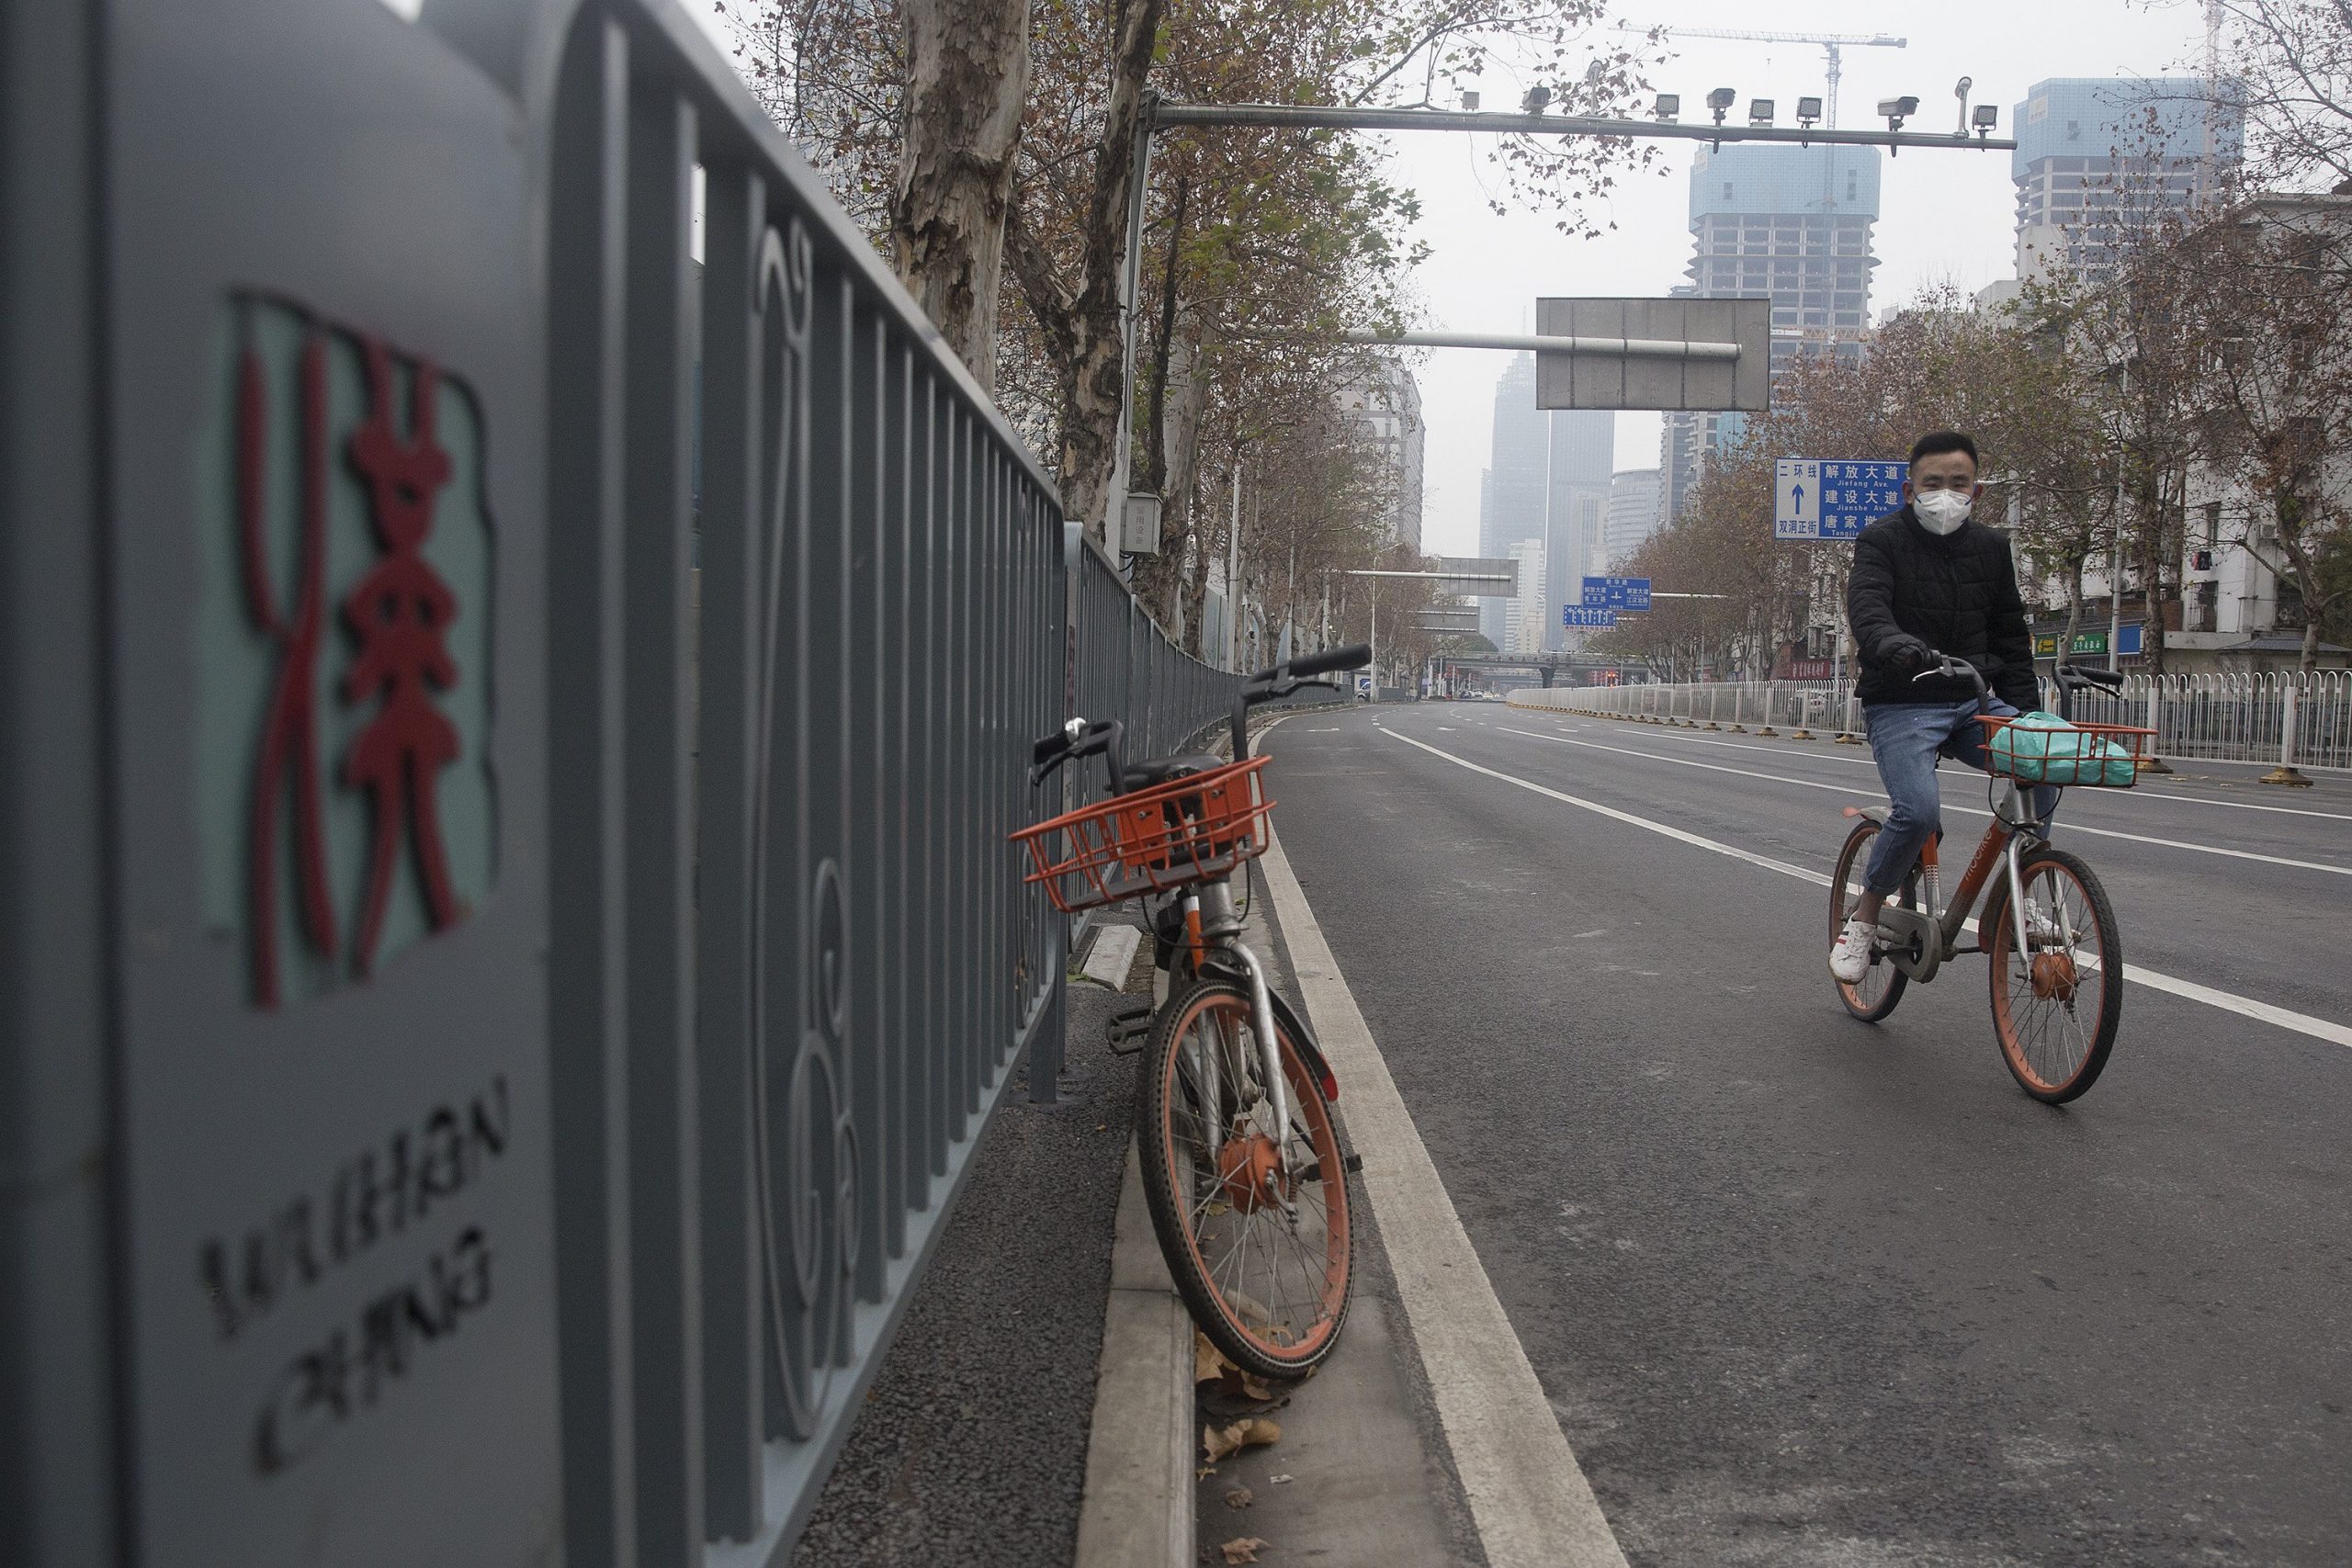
(1128, 1025)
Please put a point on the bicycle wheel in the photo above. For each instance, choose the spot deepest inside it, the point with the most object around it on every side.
(1265, 1264)
(2056, 1016)
(1873, 995)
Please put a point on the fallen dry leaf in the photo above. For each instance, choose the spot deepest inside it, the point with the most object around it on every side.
(1241, 1549)
(1203, 1472)
(1252, 1389)
(1251, 1431)
(1208, 1361)
(1239, 1497)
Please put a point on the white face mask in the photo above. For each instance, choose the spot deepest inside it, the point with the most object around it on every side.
(1941, 511)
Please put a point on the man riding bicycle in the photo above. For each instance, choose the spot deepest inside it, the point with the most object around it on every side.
(1928, 582)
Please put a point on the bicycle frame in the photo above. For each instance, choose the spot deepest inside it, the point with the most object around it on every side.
(1930, 936)
(1213, 928)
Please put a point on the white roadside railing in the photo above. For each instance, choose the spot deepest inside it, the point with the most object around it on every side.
(2293, 719)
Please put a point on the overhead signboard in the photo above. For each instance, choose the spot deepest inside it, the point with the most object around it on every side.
(1577, 616)
(1643, 371)
(1476, 577)
(1617, 593)
(1832, 498)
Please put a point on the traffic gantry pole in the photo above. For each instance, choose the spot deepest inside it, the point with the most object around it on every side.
(1318, 116)
(1158, 115)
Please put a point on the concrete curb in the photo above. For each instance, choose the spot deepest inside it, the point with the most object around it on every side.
(1137, 1511)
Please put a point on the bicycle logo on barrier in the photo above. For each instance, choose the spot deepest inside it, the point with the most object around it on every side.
(346, 649)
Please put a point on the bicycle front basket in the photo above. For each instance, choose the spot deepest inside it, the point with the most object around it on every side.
(2042, 749)
(1187, 829)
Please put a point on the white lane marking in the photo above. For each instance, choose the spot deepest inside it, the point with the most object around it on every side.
(2141, 791)
(2072, 825)
(1529, 1499)
(2229, 1001)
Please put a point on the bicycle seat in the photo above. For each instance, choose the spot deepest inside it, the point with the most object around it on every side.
(1161, 770)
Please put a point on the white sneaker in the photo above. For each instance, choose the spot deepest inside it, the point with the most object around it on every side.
(1850, 959)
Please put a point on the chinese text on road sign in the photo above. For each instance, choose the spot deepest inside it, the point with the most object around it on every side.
(1616, 594)
(1831, 499)
(1577, 616)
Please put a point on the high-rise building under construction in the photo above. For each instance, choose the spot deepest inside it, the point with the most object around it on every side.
(1790, 223)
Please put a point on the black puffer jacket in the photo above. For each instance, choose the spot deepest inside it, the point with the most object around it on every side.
(1958, 594)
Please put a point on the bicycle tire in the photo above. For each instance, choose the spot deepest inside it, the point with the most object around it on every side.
(1862, 998)
(2049, 993)
(1208, 1215)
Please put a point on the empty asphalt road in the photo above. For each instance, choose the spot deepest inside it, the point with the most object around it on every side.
(1805, 1290)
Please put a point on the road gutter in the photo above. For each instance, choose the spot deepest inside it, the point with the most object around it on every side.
(1529, 1499)
(1138, 1509)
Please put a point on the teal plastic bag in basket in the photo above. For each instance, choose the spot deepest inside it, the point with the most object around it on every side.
(2042, 748)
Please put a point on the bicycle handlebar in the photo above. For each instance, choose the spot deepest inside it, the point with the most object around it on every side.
(1957, 670)
(1330, 661)
(2089, 675)
(1081, 738)
(2072, 678)
(1075, 740)
(1282, 680)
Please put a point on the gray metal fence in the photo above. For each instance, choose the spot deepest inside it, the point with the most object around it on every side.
(2303, 720)
(493, 1013)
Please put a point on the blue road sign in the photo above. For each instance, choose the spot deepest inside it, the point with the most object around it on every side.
(1582, 616)
(1817, 498)
(1617, 593)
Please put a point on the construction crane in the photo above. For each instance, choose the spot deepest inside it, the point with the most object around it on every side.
(1831, 43)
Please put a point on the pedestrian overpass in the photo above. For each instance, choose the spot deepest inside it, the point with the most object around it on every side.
(1553, 669)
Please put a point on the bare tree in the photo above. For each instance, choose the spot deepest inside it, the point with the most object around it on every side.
(2287, 66)
(2272, 285)
(967, 81)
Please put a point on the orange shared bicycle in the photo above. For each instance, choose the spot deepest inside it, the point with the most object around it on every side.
(1242, 1167)
(2047, 925)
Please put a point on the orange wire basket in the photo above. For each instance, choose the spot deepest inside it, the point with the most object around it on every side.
(1146, 840)
(2107, 756)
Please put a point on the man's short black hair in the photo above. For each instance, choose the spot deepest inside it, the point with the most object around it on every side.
(1940, 441)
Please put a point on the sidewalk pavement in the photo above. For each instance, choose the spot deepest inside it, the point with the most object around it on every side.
(972, 1445)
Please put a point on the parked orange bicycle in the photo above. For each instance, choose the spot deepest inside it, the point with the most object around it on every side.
(1242, 1167)
(2057, 978)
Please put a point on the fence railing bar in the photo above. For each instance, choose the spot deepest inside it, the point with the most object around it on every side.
(657, 674)
(729, 699)
(585, 739)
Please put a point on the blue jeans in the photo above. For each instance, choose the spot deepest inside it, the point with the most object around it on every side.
(1906, 738)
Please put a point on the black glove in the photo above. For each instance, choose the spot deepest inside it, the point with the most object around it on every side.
(1904, 653)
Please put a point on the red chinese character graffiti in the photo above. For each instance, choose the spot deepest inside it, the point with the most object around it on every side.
(289, 737)
(400, 612)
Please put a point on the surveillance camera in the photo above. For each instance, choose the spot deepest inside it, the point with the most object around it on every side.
(1537, 96)
(1959, 88)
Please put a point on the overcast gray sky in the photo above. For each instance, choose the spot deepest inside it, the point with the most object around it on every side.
(1944, 215)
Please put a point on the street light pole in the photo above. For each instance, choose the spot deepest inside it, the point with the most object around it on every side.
(1233, 576)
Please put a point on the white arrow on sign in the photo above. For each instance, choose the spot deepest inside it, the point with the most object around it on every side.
(1796, 499)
